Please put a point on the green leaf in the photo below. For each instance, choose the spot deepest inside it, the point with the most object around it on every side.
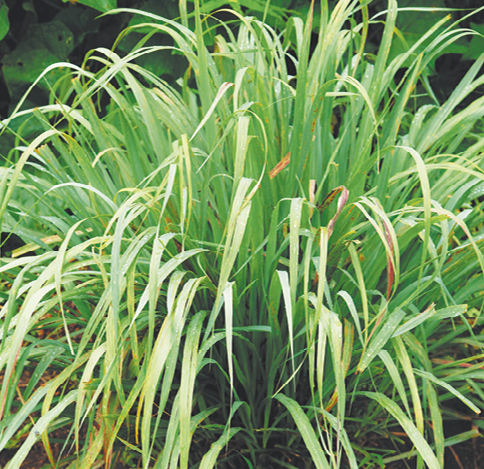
(476, 44)
(44, 44)
(415, 321)
(210, 458)
(81, 22)
(40, 426)
(187, 384)
(450, 388)
(4, 23)
(414, 21)
(410, 429)
(395, 375)
(100, 5)
(306, 431)
(379, 341)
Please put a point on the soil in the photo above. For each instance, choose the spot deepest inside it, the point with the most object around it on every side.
(467, 455)
(37, 458)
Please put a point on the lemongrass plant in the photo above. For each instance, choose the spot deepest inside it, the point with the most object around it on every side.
(216, 273)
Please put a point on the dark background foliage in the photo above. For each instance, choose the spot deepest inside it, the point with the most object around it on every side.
(38, 33)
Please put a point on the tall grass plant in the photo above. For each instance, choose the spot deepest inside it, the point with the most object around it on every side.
(249, 268)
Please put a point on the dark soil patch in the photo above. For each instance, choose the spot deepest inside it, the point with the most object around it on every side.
(467, 455)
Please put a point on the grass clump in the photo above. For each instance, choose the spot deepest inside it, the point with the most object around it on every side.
(247, 268)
